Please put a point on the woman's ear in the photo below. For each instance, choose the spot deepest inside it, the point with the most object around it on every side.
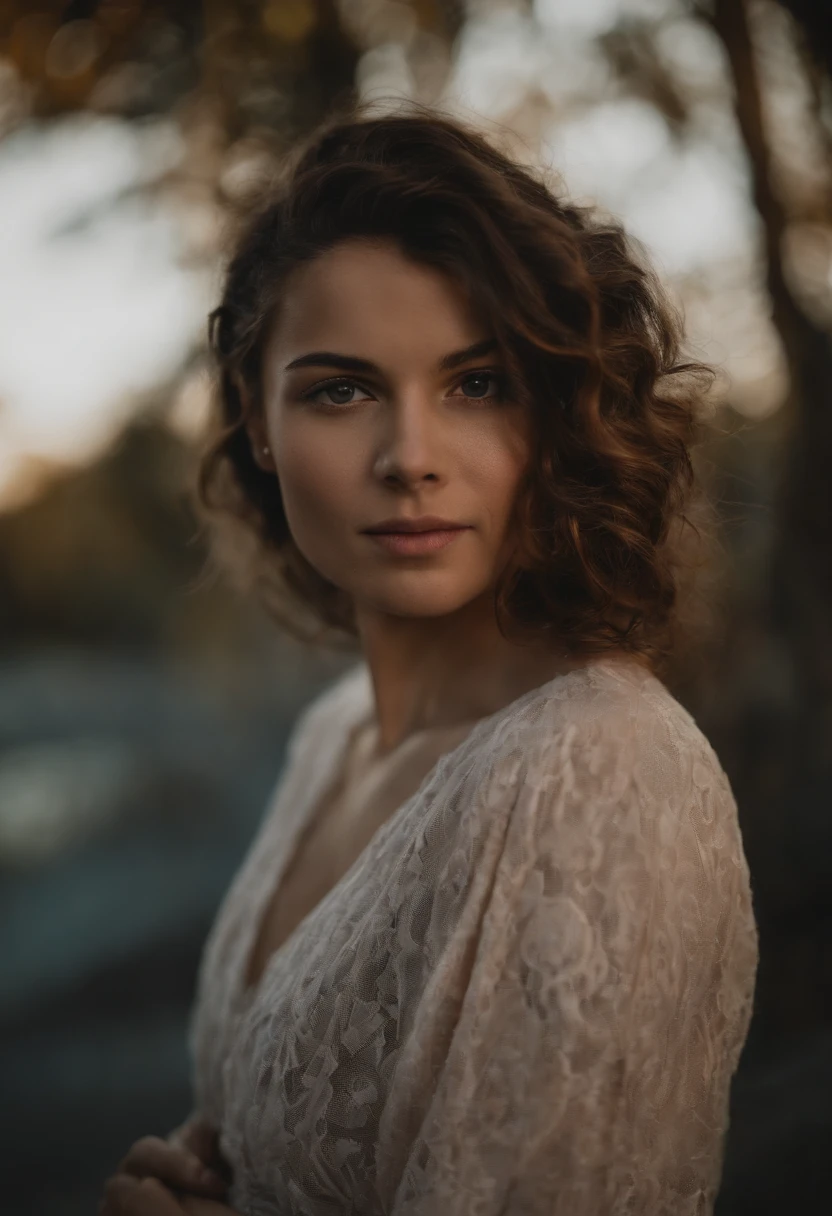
(256, 430)
(259, 441)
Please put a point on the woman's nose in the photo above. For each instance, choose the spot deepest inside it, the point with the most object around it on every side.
(409, 448)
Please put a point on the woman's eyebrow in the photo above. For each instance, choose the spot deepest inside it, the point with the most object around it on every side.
(449, 362)
(327, 358)
(350, 363)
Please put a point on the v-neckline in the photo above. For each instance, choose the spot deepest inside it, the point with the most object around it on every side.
(314, 806)
(245, 995)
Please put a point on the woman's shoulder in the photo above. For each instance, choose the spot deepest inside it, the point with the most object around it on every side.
(606, 768)
(612, 717)
(608, 693)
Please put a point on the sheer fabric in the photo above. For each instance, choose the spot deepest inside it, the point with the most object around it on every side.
(528, 995)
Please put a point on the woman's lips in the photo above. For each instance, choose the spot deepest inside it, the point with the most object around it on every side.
(407, 543)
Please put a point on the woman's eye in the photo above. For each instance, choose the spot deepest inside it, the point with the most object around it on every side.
(340, 392)
(481, 384)
(477, 386)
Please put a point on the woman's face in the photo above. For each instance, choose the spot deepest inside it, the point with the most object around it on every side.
(373, 410)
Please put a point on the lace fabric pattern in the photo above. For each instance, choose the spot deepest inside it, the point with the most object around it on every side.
(527, 997)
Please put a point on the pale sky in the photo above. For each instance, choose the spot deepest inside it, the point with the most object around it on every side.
(94, 307)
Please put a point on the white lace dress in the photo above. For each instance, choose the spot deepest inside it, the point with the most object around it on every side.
(528, 995)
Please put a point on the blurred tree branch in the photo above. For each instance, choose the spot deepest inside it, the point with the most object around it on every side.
(806, 533)
(813, 16)
(631, 51)
(787, 807)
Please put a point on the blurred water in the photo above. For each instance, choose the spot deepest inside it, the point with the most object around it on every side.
(144, 789)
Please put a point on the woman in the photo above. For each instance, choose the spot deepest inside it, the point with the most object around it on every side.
(493, 949)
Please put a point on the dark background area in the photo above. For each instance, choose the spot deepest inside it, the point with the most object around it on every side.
(145, 706)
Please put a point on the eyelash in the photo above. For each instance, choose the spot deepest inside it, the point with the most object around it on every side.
(311, 393)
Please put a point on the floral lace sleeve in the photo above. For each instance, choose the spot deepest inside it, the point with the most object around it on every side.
(589, 1070)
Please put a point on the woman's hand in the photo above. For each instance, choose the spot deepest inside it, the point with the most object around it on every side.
(155, 1173)
(201, 1138)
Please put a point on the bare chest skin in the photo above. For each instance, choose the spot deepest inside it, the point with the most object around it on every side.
(369, 791)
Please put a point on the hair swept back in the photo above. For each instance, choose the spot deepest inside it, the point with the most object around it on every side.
(590, 343)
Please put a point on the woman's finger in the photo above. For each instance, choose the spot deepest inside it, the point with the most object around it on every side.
(175, 1166)
(198, 1137)
(202, 1138)
(128, 1196)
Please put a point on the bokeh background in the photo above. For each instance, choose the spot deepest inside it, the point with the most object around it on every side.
(144, 706)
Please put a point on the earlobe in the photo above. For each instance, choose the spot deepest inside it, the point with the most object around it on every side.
(260, 450)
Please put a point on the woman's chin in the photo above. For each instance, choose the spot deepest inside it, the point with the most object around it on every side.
(416, 602)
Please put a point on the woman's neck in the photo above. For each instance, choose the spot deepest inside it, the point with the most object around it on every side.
(439, 673)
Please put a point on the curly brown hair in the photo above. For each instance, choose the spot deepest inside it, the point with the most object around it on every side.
(590, 343)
